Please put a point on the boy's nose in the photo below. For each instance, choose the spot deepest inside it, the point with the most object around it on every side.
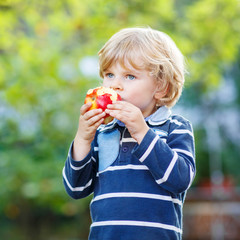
(116, 84)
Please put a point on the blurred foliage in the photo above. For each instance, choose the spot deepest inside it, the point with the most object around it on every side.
(42, 86)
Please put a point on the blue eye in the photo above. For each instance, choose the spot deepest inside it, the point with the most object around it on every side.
(130, 77)
(109, 75)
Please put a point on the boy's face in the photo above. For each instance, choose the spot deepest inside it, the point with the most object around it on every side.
(133, 85)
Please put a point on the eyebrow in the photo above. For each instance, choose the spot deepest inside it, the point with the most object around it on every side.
(126, 70)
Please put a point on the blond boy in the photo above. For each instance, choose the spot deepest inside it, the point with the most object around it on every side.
(139, 166)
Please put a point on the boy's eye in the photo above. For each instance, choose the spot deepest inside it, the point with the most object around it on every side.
(130, 77)
(109, 75)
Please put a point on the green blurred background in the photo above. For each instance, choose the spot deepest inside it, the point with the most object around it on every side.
(48, 60)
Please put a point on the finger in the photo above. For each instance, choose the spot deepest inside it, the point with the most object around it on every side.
(95, 119)
(90, 113)
(128, 114)
(118, 114)
(113, 106)
(85, 108)
(118, 105)
(97, 124)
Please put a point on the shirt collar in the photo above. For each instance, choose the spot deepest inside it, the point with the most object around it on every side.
(159, 117)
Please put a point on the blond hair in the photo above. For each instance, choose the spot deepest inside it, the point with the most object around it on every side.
(159, 53)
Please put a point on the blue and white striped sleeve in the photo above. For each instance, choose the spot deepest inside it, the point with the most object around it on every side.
(171, 162)
(79, 176)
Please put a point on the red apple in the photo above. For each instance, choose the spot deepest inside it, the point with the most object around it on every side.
(100, 97)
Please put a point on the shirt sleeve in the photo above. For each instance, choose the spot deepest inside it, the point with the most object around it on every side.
(79, 176)
(171, 162)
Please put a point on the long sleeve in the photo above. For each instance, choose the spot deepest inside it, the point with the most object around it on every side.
(79, 176)
(137, 187)
(170, 161)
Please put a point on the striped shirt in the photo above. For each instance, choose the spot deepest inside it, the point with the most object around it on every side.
(138, 189)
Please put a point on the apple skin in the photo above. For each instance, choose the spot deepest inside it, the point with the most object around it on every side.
(100, 97)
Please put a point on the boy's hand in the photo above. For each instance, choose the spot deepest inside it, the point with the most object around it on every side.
(131, 116)
(89, 121)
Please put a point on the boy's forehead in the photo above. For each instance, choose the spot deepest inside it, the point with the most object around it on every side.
(136, 63)
(125, 65)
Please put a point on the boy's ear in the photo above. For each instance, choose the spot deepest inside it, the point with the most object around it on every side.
(161, 92)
